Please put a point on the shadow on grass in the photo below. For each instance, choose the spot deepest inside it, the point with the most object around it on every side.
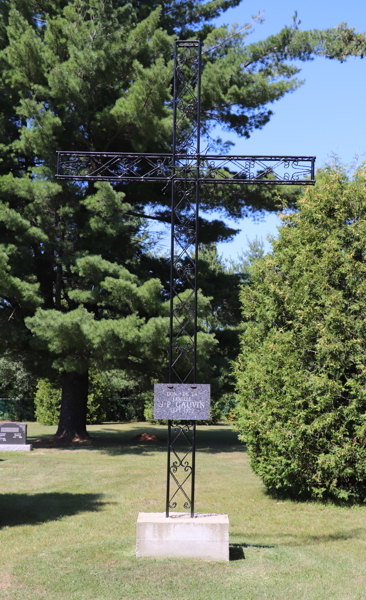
(349, 534)
(33, 509)
(115, 441)
(282, 496)
(303, 539)
(236, 552)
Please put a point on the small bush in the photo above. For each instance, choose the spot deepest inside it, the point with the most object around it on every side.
(104, 401)
(148, 411)
(225, 407)
(47, 403)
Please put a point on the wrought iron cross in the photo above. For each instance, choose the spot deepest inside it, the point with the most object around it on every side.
(187, 169)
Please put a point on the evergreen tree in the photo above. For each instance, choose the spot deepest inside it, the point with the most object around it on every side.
(78, 283)
(301, 370)
(220, 281)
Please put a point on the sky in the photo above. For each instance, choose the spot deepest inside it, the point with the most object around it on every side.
(325, 116)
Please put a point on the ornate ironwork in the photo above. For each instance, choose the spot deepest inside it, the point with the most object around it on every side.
(179, 468)
(212, 168)
(187, 169)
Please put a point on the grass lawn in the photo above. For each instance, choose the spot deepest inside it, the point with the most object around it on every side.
(68, 518)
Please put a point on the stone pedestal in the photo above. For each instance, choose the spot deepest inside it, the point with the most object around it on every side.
(15, 447)
(205, 537)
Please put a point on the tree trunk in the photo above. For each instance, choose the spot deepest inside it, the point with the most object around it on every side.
(72, 425)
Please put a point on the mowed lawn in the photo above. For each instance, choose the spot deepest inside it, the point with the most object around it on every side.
(68, 518)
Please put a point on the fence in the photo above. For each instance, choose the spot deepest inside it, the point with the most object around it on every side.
(16, 409)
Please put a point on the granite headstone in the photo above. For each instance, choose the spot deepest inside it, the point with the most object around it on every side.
(182, 401)
(13, 437)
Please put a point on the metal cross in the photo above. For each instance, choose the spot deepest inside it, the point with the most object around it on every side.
(187, 169)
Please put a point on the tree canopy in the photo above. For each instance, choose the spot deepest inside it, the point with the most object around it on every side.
(80, 282)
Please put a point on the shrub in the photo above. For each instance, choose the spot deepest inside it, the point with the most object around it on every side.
(104, 401)
(47, 403)
(301, 372)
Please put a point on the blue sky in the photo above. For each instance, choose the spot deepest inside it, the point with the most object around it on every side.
(326, 115)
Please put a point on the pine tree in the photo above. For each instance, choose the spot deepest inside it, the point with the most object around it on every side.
(78, 282)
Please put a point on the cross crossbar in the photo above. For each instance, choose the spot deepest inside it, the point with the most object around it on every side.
(212, 168)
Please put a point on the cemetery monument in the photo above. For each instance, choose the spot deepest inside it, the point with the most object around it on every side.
(182, 399)
(13, 437)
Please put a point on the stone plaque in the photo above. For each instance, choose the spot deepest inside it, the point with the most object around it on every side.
(182, 401)
(13, 433)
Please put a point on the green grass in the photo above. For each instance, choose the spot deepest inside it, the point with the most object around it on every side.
(68, 516)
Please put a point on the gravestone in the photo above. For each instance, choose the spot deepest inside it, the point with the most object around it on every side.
(13, 437)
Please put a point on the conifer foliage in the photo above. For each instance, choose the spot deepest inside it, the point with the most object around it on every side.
(79, 284)
(301, 372)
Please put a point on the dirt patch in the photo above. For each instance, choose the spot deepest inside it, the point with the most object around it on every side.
(146, 437)
(93, 442)
(5, 581)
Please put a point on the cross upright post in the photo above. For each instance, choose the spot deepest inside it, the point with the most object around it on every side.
(183, 399)
(184, 261)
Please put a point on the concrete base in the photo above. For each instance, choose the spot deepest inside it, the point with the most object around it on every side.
(15, 447)
(206, 536)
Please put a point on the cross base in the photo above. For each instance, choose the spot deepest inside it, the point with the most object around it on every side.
(205, 537)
